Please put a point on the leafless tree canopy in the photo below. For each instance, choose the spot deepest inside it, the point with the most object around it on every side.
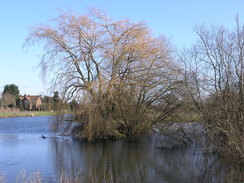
(124, 80)
(215, 77)
(7, 100)
(117, 69)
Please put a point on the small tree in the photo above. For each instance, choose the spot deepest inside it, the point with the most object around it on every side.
(10, 95)
(56, 100)
(8, 100)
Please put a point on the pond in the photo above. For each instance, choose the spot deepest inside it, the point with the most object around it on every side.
(22, 148)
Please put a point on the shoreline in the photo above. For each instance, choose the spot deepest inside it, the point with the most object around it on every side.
(26, 114)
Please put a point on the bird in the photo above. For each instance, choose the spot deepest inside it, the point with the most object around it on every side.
(43, 137)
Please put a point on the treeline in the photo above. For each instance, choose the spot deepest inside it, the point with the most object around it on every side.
(125, 81)
(11, 100)
(55, 103)
(50, 103)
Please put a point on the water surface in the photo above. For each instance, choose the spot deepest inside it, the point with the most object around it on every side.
(22, 148)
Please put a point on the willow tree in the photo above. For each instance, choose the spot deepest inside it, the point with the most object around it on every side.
(115, 69)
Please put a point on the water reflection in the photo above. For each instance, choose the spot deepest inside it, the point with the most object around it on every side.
(21, 147)
(140, 161)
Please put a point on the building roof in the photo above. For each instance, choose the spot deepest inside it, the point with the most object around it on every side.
(30, 97)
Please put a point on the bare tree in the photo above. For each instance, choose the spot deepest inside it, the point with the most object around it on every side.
(116, 69)
(8, 100)
(215, 77)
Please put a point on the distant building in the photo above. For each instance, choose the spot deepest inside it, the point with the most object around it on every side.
(30, 102)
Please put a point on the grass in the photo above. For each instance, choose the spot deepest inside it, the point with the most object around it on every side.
(26, 114)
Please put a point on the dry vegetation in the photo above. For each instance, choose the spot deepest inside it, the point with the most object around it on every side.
(36, 177)
(214, 75)
(116, 70)
(125, 80)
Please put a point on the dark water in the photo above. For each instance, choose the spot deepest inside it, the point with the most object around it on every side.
(22, 148)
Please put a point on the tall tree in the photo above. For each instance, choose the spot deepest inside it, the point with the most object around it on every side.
(215, 79)
(11, 89)
(117, 69)
(56, 97)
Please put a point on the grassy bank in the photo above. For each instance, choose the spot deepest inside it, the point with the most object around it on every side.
(26, 114)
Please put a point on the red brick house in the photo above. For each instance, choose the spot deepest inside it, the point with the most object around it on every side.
(31, 102)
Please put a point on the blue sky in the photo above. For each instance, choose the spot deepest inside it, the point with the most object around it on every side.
(174, 18)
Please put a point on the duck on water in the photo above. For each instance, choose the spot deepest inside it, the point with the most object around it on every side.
(43, 137)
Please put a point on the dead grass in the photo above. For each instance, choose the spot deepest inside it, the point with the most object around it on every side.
(25, 114)
(35, 177)
(79, 178)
